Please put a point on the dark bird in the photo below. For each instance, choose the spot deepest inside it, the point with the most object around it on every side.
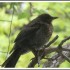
(33, 36)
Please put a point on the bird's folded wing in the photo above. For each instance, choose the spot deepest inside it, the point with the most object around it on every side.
(26, 32)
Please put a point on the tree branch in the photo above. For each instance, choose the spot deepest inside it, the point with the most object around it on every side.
(60, 56)
(57, 58)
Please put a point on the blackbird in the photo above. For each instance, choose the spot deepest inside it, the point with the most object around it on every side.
(33, 36)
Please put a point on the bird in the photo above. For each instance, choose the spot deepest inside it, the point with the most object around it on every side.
(32, 37)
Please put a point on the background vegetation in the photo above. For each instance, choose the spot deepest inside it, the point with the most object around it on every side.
(25, 12)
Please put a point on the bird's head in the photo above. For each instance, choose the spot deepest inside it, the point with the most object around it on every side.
(46, 18)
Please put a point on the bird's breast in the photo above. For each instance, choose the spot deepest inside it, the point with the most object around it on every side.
(42, 36)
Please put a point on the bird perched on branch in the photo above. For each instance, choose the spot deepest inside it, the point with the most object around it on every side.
(32, 37)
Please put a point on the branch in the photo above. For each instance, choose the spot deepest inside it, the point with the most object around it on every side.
(53, 40)
(31, 9)
(58, 57)
(62, 42)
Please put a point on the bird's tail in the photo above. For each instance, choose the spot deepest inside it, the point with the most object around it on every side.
(12, 59)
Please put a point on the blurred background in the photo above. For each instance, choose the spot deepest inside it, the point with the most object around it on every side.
(15, 15)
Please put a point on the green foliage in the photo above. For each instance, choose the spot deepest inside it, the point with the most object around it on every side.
(23, 13)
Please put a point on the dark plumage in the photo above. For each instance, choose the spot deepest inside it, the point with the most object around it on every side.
(33, 36)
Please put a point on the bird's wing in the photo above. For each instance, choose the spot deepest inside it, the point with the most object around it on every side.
(27, 32)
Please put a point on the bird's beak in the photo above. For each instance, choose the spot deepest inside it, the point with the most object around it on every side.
(55, 17)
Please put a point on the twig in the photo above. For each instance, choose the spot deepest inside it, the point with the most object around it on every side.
(65, 49)
(3, 52)
(65, 57)
(52, 41)
(62, 42)
(10, 32)
(5, 20)
(31, 9)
